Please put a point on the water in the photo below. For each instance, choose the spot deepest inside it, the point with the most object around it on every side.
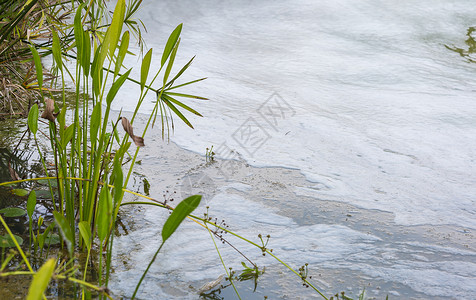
(368, 104)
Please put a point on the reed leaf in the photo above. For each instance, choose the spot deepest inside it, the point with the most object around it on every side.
(174, 36)
(38, 66)
(116, 86)
(85, 232)
(41, 280)
(104, 213)
(144, 71)
(33, 119)
(122, 52)
(171, 62)
(65, 231)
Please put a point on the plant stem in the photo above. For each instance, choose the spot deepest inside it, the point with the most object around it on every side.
(146, 270)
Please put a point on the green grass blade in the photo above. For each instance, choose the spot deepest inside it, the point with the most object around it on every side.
(171, 62)
(187, 83)
(116, 86)
(104, 213)
(118, 182)
(68, 135)
(33, 119)
(113, 33)
(31, 204)
(184, 68)
(79, 33)
(57, 51)
(144, 71)
(96, 71)
(94, 124)
(173, 38)
(179, 214)
(176, 111)
(65, 231)
(85, 232)
(171, 99)
(38, 66)
(185, 95)
(122, 52)
(86, 57)
(41, 280)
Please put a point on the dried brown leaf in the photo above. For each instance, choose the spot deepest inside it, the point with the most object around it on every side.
(48, 113)
(13, 174)
(139, 141)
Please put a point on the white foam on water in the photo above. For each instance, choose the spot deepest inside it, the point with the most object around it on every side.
(367, 102)
(189, 255)
(380, 112)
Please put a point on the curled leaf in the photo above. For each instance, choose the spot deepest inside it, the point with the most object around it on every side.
(139, 141)
(49, 110)
(13, 174)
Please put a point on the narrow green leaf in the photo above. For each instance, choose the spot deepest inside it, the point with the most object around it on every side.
(33, 119)
(173, 100)
(94, 125)
(20, 192)
(79, 33)
(65, 231)
(41, 240)
(62, 121)
(179, 214)
(57, 50)
(176, 111)
(86, 57)
(116, 86)
(41, 280)
(118, 182)
(31, 204)
(184, 68)
(68, 135)
(85, 232)
(38, 66)
(8, 259)
(171, 62)
(116, 135)
(12, 212)
(113, 32)
(171, 43)
(185, 95)
(144, 71)
(122, 52)
(187, 83)
(96, 71)
(104, 213)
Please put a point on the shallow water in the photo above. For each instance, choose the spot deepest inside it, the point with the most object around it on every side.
(362, 98)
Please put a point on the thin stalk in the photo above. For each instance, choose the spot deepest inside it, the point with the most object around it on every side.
(223, 263)
(146, 270)
(16, 243)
